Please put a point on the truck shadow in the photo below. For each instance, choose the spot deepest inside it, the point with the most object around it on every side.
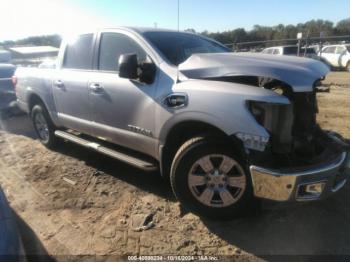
(315, 228)
(147, 181)
(19, 124)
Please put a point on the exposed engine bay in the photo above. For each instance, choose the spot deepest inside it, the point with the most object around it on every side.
(296, 138)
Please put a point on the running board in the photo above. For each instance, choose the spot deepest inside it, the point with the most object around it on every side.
(136, 162)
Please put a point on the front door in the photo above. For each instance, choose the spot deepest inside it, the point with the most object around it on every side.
(122, 109)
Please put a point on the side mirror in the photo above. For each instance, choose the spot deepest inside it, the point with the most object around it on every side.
(128, 66)
(148, 71)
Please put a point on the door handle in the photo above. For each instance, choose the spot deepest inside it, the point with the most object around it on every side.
(96, 88)
(59, 84)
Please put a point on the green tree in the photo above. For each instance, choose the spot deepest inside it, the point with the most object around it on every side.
(343, 27)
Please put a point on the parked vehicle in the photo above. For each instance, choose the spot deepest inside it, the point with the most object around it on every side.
(7, 92)
(11, 247)
(315, 47)
(291, 51)
(225, 128)
(337, 56)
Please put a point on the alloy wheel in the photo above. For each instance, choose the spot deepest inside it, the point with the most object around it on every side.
(217, 180)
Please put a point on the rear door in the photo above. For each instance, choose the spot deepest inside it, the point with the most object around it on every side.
(329, 55)
(70, 84)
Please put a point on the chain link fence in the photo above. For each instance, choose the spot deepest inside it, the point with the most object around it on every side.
(317, 42)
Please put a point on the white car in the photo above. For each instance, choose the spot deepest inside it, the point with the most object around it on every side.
(291, 51)
(337, 56)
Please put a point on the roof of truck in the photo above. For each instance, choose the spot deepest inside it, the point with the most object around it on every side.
(142, 30)
(150, 29)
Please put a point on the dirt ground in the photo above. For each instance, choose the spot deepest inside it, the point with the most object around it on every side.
(76, 202)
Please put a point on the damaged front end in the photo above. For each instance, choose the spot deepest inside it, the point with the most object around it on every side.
(299, 161)
(296, 138)
(302, 161)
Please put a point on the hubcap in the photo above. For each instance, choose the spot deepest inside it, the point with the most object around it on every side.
(217, 180)
(41, 127)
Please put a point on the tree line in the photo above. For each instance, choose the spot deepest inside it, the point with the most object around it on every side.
(51, 40)
(311, 28)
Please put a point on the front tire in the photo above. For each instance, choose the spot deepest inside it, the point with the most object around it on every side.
(43, 126)
(210, 178)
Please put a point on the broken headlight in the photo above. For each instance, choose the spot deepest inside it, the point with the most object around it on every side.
(277, 119)
(253, 142)
(258, 111)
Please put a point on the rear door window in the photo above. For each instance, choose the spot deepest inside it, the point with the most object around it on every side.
(340, 50)
(329, 50)
(78, 54)
(268, 51)
(290, 50)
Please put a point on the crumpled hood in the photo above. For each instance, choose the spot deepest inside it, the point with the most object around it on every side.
(299, 73)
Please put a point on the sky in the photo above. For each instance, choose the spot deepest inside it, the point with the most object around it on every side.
(22, 18)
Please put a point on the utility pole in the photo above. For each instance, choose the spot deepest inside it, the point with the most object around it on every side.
(178, 15)
(322, 35)
(307, 43)
(299, 37)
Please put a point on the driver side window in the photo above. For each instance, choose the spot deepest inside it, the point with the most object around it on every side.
(276, 52)
(329, 50)
(112, 46)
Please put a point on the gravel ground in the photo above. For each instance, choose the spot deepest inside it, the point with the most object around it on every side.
(76, 202)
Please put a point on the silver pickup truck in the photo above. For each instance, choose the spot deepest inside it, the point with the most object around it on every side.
(225, 128)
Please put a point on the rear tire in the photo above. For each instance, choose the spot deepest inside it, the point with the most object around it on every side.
(43, 126)
(210, 178)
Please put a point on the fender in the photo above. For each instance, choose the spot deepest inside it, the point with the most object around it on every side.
(47, 100)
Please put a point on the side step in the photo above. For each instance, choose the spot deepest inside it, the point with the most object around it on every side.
(136, 162)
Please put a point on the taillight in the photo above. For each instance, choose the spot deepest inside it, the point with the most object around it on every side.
(14, 81)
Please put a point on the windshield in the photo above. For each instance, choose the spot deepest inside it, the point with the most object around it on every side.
(177, 47)
(293, 50)
(290, 50)
(309, 50)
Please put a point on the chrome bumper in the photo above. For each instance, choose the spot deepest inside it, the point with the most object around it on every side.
(301, 185)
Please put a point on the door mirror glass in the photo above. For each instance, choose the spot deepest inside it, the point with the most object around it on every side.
(147, 71)
(128, 66)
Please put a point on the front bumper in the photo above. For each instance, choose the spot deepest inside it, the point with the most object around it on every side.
(303, 184)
